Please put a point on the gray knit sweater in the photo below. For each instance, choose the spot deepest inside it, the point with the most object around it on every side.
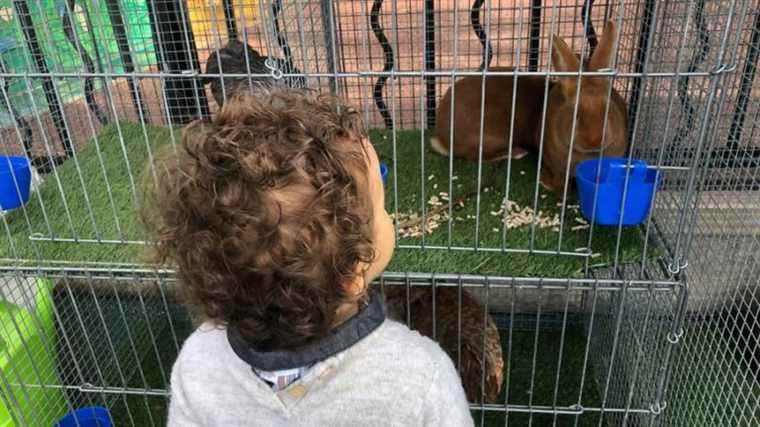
(391, 377)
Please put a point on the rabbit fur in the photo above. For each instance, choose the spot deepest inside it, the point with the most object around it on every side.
(593, 136)
(237, 57)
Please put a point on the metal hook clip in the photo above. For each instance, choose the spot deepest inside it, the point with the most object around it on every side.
(274, 70)
(722, 68)
(674, 337)
(675, 266)
(718, 69)
(656, 408)
(613, 71)
(673, 270)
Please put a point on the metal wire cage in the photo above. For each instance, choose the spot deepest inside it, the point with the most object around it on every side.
(596, 325)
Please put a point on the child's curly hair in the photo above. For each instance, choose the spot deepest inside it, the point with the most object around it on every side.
(266, 212)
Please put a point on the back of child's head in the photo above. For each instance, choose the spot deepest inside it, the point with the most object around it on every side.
(264, 211)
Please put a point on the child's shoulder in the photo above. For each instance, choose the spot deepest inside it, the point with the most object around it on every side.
(207, 345)
(207, 334)
(396, 341)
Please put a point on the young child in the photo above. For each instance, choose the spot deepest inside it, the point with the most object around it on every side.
(274, 216)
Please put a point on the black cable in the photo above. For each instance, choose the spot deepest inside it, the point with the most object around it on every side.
(745, 91)
(276, 10)
(120, 35)
(481, 33)
(377, 93)
(687, 107)
(535, 35)
(89, 66)
(591, 36)
(49, 89)
(642, 52)
(286, 65)
(430, 62)
(23, 125)
(229, 19)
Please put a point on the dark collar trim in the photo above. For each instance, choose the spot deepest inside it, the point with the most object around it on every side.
(339, 339)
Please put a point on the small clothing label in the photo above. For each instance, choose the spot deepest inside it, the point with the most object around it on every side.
(279, 380)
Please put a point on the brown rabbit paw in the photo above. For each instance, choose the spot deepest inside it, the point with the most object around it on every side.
(519, 152)
(547, 180)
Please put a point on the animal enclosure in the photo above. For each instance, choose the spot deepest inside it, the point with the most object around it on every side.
(550, 317)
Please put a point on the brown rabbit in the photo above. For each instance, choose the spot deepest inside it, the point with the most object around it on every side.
(591, 137)
(496, 121)
(462, 328)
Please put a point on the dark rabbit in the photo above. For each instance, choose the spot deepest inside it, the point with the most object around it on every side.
(471, 341)
(231, 59)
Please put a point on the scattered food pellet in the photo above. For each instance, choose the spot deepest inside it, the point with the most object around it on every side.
(454, 178)
(430, 178)
(584, 249)
(486, 190)
(514, 216)
(522, 172)
(495, 230)
(580, 227)
(543, 196)
(596, 255)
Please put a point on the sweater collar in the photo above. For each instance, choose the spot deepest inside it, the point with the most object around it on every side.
(341, 338)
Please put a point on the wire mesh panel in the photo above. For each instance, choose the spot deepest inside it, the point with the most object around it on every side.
(482, 111)
(721, 332)
(396, 61)
(115, 336)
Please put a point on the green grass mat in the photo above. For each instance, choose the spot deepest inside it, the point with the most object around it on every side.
(95, 199)
(408, 185)
(91, 198)
(538, 388)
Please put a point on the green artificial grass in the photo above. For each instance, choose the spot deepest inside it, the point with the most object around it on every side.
(538, 389)
(61, 209)
(408, 184)
(68, 213)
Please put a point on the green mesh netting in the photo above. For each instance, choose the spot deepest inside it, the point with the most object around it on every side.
(61, 55)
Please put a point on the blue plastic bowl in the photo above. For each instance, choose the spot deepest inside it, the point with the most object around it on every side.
(384, 172)
(642, 184)
(9, 193)
(91, 416)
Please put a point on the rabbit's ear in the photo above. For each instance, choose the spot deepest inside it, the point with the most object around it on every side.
(563, 57)
(605, 51)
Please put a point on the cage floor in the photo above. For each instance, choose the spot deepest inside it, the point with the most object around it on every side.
(94, 197)
(422, 175)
